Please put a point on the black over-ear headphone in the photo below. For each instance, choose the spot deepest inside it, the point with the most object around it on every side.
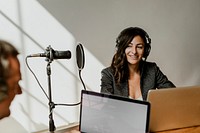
(138, 31)
(147, 48)
(3, 70)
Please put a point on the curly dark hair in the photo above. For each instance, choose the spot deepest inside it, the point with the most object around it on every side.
(119, 62)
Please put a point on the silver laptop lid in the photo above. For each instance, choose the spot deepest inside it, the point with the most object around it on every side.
(103, 113)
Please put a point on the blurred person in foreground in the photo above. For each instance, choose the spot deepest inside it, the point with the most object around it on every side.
(10, 76)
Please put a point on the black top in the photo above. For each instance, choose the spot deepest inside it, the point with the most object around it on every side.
(151, 78)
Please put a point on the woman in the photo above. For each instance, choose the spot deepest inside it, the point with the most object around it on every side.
(129, 74)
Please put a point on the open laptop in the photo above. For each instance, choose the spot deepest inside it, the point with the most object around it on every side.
(103, 113)
(174, 108)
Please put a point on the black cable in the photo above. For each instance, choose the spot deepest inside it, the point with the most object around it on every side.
(36, 78)
(71, 104)
(81, 79)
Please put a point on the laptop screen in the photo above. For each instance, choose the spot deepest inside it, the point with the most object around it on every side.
(103, 113)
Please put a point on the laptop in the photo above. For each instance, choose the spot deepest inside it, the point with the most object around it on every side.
(173, 108)
(103, 113)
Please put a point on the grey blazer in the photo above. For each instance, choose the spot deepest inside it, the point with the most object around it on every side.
(151, 78)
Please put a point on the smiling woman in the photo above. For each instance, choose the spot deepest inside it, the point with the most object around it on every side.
(130, 75)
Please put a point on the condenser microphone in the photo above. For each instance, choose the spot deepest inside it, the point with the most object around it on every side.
(55, 54)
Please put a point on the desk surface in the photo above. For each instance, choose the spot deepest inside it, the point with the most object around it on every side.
(195, 129)
(62, 129)
(74, 126)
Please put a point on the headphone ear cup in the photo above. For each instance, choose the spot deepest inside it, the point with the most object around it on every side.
(117, 43)
(3, 84)
(148, 46)
(3, 89)
(116, 46)
(147, 50)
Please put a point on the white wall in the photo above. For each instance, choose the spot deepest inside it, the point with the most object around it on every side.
(28, 26)
(173, 26)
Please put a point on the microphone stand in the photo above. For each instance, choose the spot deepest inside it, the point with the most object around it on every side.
(49, 59)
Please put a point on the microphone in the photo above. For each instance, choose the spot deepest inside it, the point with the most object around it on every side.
(54, 54)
